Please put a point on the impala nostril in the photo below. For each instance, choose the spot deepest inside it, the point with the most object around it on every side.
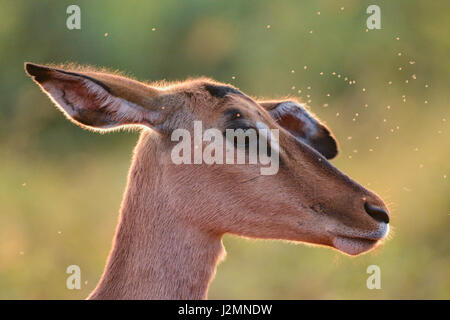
(379, 214)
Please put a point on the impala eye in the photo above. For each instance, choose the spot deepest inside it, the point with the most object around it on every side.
(233, 114)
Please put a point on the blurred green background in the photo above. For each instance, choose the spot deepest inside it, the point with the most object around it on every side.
(61, 187)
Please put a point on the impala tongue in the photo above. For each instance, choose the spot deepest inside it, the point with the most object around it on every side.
(353, 246)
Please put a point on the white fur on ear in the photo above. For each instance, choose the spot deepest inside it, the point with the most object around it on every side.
(311, 125)
(88, 102)
(295, 118)
(124, 111)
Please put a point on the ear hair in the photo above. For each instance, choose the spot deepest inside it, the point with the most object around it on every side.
(90, 102)
(294, 117)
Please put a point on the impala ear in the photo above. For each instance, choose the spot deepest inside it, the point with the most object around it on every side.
(99, 101)
(301, 124)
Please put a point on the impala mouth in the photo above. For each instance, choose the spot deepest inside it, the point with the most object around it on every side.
(359, 243)
(353, 246)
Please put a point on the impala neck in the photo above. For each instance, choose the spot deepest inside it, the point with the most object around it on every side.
(155, 256)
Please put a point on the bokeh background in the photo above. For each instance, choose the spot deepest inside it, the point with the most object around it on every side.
(60, 186)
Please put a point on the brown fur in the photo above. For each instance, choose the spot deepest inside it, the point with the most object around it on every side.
(172, 218)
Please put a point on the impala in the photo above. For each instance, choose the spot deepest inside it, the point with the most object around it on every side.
(168, 240)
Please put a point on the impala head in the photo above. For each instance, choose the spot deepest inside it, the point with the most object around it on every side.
(307, 200)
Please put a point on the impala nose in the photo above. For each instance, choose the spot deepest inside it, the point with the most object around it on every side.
(379, 214)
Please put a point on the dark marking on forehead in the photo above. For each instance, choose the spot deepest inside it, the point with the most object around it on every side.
(219, 91)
